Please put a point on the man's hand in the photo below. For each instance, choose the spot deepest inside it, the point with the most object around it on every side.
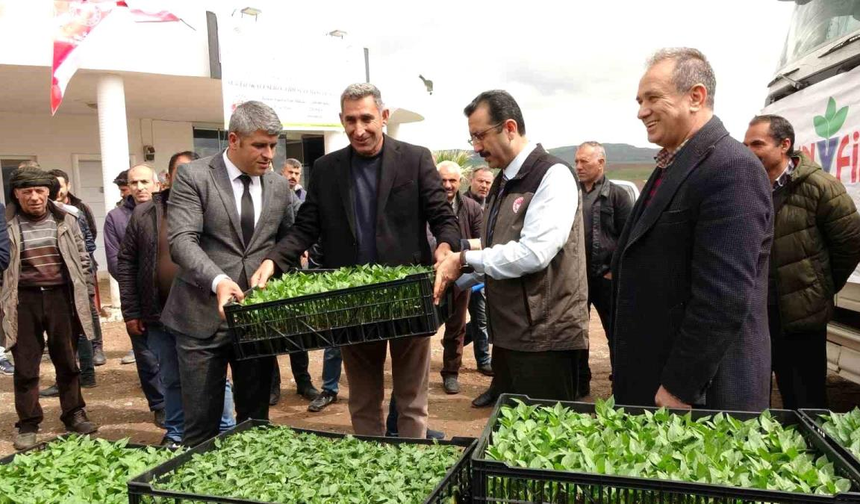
(608, 276)
(443, 250)
(225, 290)
(263, 274)
(447, 271)
(135, 327)
(665, 399)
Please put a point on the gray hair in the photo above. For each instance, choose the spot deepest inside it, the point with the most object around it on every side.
(295, 163)
(252, 116)
(360, 90)
(691, 68)
(451, 165)
(144, 165)
(478, 169)
(597, 146)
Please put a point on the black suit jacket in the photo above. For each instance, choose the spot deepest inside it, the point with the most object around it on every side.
(410, 196)
(690, 281)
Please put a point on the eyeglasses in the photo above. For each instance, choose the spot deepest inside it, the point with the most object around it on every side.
(479, 137)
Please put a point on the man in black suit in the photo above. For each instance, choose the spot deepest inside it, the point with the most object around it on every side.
(370, 203)
(224, 214)
(690, 269)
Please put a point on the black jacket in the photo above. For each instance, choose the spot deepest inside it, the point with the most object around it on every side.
(88, 213)
(410, 196)
(137, 261)
(609, 213)
(690, 281)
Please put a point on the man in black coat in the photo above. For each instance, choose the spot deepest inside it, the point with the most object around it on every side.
(690, 271)
(370, 203)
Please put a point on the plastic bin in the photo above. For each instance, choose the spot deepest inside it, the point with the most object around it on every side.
(494, 481)
(813, 416)
(455, 487)
(376, 312)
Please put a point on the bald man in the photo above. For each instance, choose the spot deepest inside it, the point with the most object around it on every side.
(141, 184)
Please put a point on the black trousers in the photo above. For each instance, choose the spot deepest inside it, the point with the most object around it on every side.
(48, 311)
(299, 362)
(599, 295)
(203, 373)
(539, 375)
(799, 361)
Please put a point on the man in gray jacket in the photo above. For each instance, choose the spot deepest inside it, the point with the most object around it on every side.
(224, 214)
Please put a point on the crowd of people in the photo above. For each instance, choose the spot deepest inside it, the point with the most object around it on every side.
(719, 275)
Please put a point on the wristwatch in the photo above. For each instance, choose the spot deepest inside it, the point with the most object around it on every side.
(464, 266)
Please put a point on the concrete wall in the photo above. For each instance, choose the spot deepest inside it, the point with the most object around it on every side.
(71, 142)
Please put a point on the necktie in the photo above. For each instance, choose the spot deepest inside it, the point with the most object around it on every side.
(247, 216)
(494, 210)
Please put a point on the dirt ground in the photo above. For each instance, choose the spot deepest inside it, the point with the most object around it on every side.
(117, 404)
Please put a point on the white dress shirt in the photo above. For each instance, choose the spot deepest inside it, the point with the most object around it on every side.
(256, 190)
(546, 227)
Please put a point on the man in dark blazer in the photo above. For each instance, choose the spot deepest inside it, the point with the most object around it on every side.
(370, 203)
(690, 270)
(225, 213)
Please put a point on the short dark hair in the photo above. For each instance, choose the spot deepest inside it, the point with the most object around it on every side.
(478, 169)
(60, 173)
(171, 165)
(501, 106)
(778, 128)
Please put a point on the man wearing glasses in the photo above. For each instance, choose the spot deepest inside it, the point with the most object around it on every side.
(533, 258)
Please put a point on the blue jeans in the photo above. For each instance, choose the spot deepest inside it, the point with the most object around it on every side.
(476, 329)
(163, 343)
(331, 369)
(147, 371)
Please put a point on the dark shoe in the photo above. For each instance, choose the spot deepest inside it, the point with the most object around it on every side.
(170, 444)
(322, 401)
(584, 390)
(274, 396)
(80, 423)
(451, 385)
(308, 391)
(24, 440)
(431, 434)
(99, 357)
(485, 400)
(6, 367)
(51, 391)
(88, 382)
(486, 369)
(129, 358)
(158, 418)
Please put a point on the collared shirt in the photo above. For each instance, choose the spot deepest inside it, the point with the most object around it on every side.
(255, 188)
(664, 159)
(545, 230)
(785, 176)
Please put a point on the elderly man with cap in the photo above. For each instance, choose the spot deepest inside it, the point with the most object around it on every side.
(46, 290)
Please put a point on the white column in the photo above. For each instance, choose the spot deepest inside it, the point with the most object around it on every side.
(335, 140)
(113, 137)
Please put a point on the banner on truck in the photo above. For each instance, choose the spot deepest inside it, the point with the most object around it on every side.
(826, 120)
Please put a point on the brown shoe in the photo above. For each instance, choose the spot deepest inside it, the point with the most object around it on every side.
(24, 440)
(80, 424)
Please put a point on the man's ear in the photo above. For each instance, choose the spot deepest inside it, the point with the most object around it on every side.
(698, 97)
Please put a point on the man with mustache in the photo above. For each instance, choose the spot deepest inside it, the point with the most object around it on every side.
(533, 258)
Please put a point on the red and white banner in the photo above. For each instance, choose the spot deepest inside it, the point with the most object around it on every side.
(76, 19)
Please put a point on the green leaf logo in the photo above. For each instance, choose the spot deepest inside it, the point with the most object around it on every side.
(827, 125)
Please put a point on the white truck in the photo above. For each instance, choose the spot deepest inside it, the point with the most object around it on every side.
(817, 88)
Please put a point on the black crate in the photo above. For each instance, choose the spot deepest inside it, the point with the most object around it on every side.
(489, 476)
(813, 417)
(376, 312)
(455, 487)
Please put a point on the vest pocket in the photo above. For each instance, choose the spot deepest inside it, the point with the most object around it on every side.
(526, 303)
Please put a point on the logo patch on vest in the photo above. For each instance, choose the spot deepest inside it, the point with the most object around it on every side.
(517, 204)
